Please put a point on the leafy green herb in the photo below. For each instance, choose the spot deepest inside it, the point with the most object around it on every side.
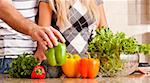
(145, 49)
(108, 46)
(22, 66)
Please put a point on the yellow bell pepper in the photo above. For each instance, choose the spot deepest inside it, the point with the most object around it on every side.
(70, 68)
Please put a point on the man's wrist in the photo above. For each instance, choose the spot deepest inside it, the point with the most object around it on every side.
(31, 31)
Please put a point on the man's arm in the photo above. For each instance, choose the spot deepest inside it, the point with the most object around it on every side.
(13, 18)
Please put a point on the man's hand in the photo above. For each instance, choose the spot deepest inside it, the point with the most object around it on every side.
(47, 36)
(44, 35)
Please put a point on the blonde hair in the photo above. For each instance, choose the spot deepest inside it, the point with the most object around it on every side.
(63, 7)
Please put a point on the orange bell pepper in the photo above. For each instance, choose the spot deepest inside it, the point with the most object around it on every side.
(78, 80)
(70, 68)
(89, 67)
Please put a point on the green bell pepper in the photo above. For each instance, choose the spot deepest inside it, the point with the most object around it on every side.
(56, 56)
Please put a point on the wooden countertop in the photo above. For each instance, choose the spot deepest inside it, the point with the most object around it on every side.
(128, 79)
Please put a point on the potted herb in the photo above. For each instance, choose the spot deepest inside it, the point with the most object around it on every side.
(109, 48)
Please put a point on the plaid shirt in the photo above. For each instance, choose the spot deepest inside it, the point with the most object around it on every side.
(79, 30)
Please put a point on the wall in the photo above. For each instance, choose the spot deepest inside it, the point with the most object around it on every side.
(119, 19)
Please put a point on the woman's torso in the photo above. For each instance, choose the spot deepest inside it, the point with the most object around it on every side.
(78, 31)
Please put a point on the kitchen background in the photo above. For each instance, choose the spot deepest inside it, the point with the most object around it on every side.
(131, 17)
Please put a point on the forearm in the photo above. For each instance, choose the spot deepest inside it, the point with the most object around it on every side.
(13, 18)
(103, 21)
(45, 13)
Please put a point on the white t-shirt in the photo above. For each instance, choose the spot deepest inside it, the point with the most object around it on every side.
(13, 42)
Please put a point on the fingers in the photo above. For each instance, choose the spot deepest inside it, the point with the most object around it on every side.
(58, 34)
(52, 36)
(49, 35)
(41, 42)
(39, 55)
(46, 38)
(43, 46)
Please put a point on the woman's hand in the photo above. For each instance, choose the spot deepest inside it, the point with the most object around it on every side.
(40, 54)
(47, 36)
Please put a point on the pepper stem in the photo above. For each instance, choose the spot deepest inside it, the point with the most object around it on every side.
(89, 56)
(69, 55)
(38, 71)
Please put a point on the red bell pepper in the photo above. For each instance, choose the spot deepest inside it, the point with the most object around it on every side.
(89, 67)
(38, 72)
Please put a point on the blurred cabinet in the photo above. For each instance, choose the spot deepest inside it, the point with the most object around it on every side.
(138, 12)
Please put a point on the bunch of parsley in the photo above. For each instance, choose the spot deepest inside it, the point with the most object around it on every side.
(22, 66)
